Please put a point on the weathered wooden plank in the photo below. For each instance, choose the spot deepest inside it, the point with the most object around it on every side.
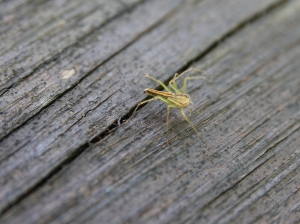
(39, 147)
(40, 30)
(252, 128)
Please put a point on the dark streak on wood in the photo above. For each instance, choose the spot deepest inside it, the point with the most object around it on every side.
(74, 72)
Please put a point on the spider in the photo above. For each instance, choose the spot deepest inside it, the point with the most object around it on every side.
(178, 99)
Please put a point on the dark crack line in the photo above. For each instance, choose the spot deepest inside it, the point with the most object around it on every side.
(98, 105)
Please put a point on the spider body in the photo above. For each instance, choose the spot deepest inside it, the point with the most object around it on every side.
(175, 100)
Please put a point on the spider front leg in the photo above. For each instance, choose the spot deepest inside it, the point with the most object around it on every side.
(173, 84)
(188, 78)
(141, 103)
(186, 71)
(159, 82)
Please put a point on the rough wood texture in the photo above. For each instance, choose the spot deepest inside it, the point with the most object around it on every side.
(70, 71)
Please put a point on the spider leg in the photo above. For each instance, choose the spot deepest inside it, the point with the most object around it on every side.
(189, 78)
(191, 124)
(159, 82)
(141, 103)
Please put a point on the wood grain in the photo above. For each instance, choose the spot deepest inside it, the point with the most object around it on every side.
(250, 119)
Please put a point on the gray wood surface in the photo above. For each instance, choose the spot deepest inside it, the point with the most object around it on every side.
(71, 72)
